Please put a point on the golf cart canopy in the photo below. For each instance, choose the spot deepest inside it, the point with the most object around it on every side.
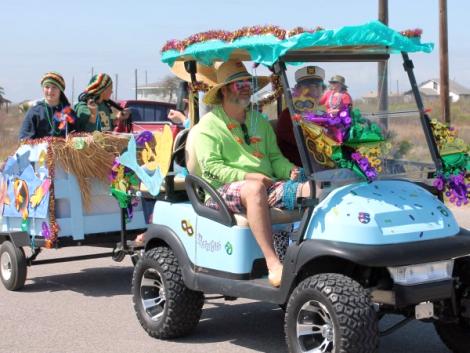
(372, 41)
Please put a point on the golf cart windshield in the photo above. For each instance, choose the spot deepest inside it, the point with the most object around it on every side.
(363, 145)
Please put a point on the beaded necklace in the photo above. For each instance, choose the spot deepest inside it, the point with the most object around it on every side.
(236, 129)
(49, 117)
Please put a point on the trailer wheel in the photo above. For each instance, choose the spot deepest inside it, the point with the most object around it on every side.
(330, 313)
(165, 307)
(12, 266)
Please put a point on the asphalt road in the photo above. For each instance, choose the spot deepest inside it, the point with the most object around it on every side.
(86, 306)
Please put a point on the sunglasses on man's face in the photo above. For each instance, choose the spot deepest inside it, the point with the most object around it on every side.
(246, 137)
(243, 84)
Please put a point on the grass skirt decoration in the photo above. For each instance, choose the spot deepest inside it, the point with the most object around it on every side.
(88, 156)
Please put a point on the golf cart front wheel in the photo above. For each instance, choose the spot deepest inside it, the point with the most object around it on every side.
(331, 313)
(12, 266)
(165, 307)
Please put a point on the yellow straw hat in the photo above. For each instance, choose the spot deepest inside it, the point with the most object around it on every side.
(204, 73)
(231, 71)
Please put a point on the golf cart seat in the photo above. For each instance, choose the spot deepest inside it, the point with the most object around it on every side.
(194, 180)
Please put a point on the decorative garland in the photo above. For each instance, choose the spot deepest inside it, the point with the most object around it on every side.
(123, 186)
(412, 33)
(344, 139)
(275, 94)
(54, 227)
(452, 179)
(300, 30)
(226, 36)
(198, 86)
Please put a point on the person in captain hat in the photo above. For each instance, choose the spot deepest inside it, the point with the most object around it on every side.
(306, 94)
(238, 155)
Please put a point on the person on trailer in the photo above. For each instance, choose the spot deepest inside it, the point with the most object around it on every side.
(307, 92)
(94, 109)
(51, 116)
(336, 98)
(238, 155)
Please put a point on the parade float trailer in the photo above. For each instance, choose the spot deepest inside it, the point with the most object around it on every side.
(369, 241)
(61, 192)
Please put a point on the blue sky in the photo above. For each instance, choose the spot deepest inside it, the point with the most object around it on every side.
(117, 37)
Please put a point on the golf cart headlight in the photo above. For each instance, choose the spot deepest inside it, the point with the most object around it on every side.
(422, 273)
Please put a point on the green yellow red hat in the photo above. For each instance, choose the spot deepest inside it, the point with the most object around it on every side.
(55, 79)
(98, 84)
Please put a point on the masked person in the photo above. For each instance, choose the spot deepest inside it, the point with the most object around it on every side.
(307, 92)
(238, 155)
(51, 116)
(94, 106)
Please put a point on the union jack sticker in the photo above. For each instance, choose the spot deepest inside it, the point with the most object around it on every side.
(363, 217)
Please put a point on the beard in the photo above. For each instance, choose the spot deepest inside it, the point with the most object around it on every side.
(240, 101)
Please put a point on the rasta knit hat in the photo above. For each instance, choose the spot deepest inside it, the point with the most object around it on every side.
(98, 84)
(55, 79)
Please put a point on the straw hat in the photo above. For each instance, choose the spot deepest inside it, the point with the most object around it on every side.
(339, 79)
(231, 71)
(204, 73)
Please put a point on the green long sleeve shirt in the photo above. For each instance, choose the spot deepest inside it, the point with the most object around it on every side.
(224, 156)
(104, 119)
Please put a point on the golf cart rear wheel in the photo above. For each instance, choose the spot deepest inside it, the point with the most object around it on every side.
(165, 307)
(12, 266)
(331, 313)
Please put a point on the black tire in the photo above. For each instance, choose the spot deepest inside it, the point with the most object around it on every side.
(165, 307)
(12, 266)
(339, 309)
(454, 335)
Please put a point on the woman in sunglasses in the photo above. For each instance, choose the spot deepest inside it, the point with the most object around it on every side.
(337, 97)
(307, 91)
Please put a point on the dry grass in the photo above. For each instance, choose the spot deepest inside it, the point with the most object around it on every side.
(10, 124)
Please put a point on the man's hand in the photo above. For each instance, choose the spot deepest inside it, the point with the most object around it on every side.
(91, 104)
(260, 177)
(123, 115)
(176, 117)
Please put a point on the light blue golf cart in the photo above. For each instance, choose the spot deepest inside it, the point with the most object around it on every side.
(359, 248)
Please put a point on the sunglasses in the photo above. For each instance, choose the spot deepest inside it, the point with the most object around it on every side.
(246, 137)
(243, 84)
(302, 105)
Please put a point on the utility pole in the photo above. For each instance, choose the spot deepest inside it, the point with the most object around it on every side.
(382, 76)
(444, 62)
(116, 87)
(73, 89)
(146, 82)
(135, 76)
(92, 71)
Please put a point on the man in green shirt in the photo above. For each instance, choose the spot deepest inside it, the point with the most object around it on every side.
(238, 154)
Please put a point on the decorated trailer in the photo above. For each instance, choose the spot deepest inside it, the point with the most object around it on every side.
(57, 192)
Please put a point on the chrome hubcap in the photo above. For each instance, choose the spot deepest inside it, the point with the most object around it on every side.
(5, 266)
(152, 294)
(315, 331)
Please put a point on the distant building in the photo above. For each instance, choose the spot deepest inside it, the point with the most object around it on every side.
(155, 92)
(431, 89)
(371, 98)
